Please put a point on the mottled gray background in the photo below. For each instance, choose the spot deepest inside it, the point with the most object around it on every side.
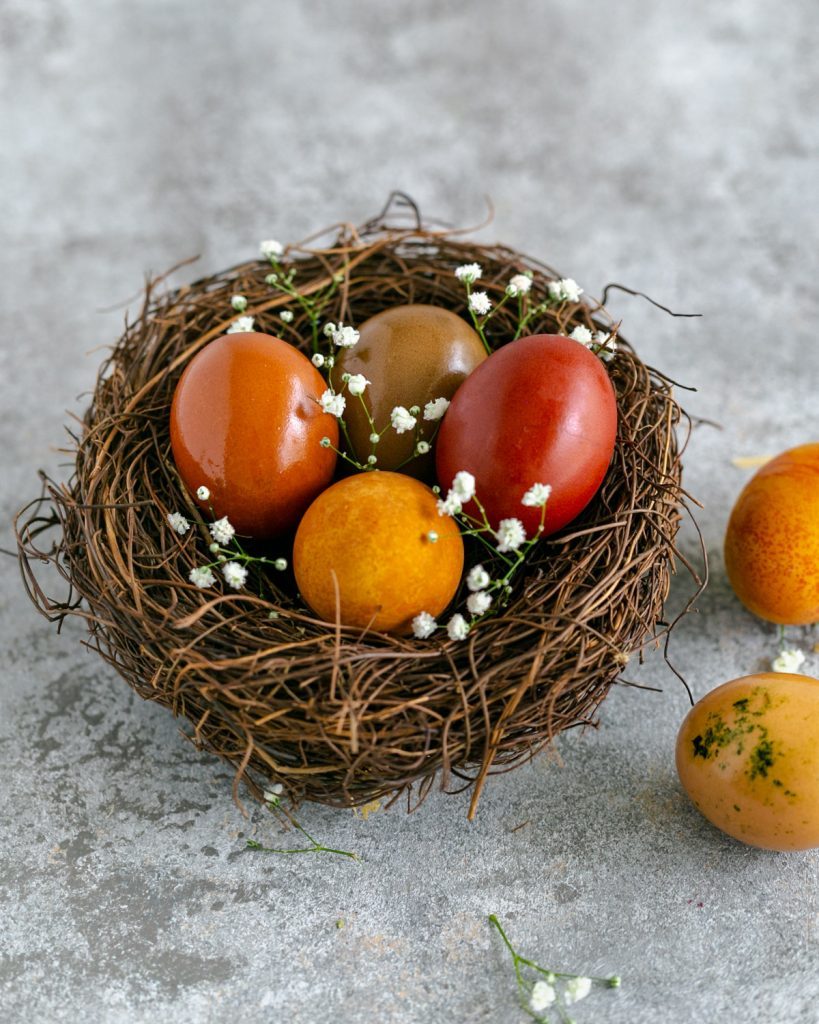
(671, 146)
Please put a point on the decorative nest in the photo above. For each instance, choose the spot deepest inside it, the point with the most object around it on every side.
(335, 716)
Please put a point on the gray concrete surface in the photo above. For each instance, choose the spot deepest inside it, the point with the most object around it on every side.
(671, 146)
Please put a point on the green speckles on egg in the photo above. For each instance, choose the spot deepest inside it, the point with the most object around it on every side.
(762, 757)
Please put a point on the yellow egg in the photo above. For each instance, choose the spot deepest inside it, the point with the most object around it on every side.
(748, 757)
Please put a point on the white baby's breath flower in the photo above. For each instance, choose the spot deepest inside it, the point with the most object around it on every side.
(343, 337)
(543, 995)
(449, 506)
(789, 659)
(435, 409)
(242, 325)
(566, 290)
(480, 303)
(317, 359)
(332, 403)
(239, 303)
(357, 384)
(201, 577)
(422, 448)
(271, 249)
(478, 578)
(423, 625)
(286, 316)
(479, 602)
(273, 794)
(280, 564)
(510, 535)
(463, 486)
(401, 419)
(457, 628)
(469, 272)
(202, 493)
(235, 575)
(576, 989)
(178, 522)
(582, 334)
(222, 531)
(608, 346)
(536, 496)
(520, 284)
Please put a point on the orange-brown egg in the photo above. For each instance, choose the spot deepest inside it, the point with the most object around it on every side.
(748, 758)
(772, 540)
(246, 424)
(411, 355)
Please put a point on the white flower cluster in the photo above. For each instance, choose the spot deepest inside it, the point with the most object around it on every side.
(178, 522)
(341, 336)
(402, 419)
(469, 272)
(480, 303)
(461, 492)
(222, 531)
(242, 325)
(435, 409)
(600, 342)
(510, 536)
(520, 284)
(543, 995)
(357, 384)
(565, 290)
(271, 249)
(789, 659)
(536, 496)
(332, 403)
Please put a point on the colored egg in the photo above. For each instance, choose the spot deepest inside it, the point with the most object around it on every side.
(539, 410)
(772, 540)
(411, 355)
(373, 550)
(245, 423)
(747, 757)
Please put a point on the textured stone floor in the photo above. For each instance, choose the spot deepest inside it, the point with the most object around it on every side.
(672, 147)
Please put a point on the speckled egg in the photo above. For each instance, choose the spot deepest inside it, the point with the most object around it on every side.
(748, 757)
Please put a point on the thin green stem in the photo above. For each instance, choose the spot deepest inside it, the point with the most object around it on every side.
(315, 848)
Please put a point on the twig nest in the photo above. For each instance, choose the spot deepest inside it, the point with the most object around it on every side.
(343, 715)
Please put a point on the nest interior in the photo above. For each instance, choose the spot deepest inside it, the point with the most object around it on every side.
(335, 716)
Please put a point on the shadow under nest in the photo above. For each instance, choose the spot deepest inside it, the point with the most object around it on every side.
(335, 716)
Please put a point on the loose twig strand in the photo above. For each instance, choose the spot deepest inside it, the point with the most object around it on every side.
(335, 716)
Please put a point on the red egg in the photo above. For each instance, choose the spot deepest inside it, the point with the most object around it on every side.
(539, 410)
(246, 424)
